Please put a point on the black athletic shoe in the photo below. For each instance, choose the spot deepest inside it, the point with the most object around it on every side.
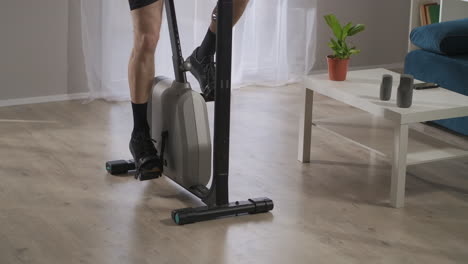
(147, 162)
(204, 71)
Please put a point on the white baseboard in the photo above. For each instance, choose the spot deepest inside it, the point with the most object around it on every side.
(385, 66)
(44, 99)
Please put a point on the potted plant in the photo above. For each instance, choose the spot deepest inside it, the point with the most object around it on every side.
(338, 62)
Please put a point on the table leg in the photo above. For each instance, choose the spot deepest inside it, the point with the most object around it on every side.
(305, 126)
(397, 192)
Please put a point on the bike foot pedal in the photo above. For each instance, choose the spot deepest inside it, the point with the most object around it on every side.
(148, 175)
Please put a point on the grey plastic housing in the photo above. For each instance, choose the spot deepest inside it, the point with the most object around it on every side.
(182, 112)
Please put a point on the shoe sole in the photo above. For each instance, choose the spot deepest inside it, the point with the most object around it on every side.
(148, 174)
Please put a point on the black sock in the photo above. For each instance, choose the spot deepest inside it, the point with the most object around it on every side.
(208, 46)
(140, 121)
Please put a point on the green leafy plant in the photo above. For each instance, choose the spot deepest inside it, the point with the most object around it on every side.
(339, 46)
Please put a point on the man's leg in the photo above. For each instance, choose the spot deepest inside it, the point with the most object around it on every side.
(146, 27)
(202, 58)
(146, 17)
(208, 46)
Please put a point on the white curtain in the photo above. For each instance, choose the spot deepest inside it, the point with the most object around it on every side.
(274, 42)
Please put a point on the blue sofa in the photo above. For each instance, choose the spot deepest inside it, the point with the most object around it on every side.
(442, 59)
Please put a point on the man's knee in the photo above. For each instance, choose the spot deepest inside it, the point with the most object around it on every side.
(146, 42)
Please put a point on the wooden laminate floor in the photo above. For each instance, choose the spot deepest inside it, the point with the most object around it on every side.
(58, 205)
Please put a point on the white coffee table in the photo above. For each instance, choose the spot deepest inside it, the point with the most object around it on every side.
(385, 129)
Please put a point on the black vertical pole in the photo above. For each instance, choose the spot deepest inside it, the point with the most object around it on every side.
(222, 101)
(177, 58)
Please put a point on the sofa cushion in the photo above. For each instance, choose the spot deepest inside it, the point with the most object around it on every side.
(448, 38)
(448, 71)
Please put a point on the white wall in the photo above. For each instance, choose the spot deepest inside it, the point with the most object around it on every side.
(41, 55)
(77, 82)
(33, 48)
(454, 9)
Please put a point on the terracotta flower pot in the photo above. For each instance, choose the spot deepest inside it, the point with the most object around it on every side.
(337, 68)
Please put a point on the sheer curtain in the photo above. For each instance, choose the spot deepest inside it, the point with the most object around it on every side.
(274, 42)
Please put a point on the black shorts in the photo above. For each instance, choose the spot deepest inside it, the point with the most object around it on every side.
(135, 4)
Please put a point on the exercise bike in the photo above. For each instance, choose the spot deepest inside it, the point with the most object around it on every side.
(178, 116)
